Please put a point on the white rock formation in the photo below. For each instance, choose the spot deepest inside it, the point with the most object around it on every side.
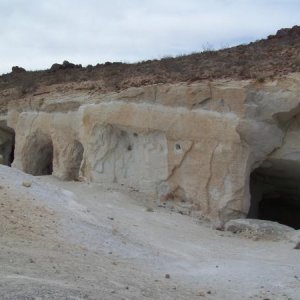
(196, 142)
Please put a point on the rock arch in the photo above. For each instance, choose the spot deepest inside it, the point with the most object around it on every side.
(275, 192)
(38, 154)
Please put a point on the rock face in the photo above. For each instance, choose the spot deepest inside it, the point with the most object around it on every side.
(198, 143)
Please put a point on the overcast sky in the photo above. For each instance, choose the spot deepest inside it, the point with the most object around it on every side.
(37, 33)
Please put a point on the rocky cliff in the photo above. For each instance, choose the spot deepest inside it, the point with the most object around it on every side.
(217, 132)
(220, 147)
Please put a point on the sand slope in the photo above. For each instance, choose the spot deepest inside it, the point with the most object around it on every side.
(71, 240)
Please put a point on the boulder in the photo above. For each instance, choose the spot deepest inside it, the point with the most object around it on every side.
(68, 65)
(17, 69)
(259, 228)
(55, 67)
(295, 237)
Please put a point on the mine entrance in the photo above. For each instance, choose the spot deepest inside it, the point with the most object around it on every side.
(38, 154)
(275, 192)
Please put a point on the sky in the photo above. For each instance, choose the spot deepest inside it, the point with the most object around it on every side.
(34, 34)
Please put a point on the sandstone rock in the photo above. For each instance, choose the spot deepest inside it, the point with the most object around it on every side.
(197, 143)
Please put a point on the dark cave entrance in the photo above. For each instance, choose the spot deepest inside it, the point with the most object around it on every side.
(38, 154)
(7, 144)
(275, 192)
(12, 152)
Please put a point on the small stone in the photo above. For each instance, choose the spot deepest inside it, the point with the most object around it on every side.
(167, 276)
(257, 229)
(201, 293)
(26, 184)
(297, 246)
(220, 228)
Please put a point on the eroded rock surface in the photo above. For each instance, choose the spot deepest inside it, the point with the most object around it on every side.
(194, 143)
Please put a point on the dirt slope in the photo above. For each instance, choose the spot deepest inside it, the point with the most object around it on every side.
(70, 240)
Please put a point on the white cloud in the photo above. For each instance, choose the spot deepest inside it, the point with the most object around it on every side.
(37, 33)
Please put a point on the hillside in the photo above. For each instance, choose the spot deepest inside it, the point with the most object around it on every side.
(274, 56)
(75, 240)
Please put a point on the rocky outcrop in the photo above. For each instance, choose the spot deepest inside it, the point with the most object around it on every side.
(260, 229)
(195, 143)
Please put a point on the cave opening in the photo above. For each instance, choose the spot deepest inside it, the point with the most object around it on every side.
(12, 151)
(7, 144)
(275, 192)
(38, 154)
